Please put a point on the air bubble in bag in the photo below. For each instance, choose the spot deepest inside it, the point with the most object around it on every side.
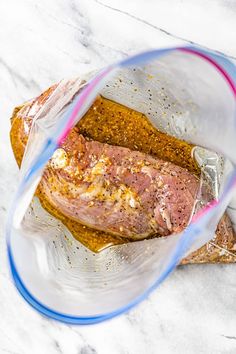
(56, 274)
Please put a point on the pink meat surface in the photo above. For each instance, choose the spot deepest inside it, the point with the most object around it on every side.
(119, 191)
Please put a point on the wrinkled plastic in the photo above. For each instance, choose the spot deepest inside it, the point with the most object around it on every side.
(59, 276)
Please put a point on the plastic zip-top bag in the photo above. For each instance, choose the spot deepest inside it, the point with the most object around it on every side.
(187, 93)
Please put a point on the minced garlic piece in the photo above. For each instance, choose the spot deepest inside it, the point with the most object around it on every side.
(59, 159)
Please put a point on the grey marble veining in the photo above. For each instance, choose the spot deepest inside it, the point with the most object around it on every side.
(40, 43)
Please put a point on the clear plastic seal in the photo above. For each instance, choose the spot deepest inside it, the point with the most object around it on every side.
(55, 273)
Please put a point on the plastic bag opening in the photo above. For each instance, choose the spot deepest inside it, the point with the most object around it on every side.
(66, 277)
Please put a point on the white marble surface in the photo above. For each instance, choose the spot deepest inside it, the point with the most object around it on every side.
(194, 311)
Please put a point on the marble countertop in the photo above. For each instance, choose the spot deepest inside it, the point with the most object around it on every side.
(43, 41)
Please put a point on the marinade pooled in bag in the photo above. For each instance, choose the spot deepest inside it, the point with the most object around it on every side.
(116, 178)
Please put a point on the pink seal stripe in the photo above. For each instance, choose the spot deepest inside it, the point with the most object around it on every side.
(232, 85)
(82, 100)
(215, 64)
